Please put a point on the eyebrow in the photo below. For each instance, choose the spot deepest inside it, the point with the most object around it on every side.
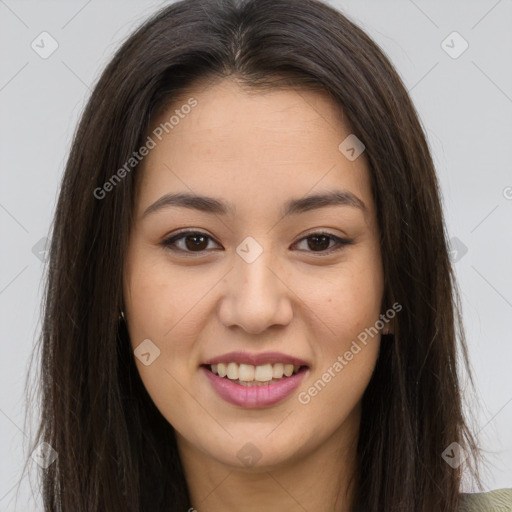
(291, 207)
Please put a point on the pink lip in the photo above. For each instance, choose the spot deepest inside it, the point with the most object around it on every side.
(254, 396)
(256, 359)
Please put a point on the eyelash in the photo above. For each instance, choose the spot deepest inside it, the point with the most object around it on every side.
(169, 242)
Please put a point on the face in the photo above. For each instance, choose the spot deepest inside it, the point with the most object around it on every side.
(259, 280)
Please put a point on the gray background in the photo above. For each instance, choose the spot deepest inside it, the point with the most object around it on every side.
(465, 105)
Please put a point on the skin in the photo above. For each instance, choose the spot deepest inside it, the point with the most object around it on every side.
(256, 150)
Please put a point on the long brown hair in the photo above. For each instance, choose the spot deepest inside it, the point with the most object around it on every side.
(115, 450)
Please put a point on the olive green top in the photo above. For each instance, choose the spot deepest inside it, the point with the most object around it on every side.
(499, 500)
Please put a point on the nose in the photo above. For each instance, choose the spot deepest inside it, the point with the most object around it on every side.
(256, 296)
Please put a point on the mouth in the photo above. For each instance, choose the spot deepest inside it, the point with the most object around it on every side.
(254, 380)
(251, 375)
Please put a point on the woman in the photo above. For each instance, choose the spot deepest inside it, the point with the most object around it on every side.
(304, 357)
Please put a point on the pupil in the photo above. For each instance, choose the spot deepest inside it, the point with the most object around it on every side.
(323, 245)
(193, 246)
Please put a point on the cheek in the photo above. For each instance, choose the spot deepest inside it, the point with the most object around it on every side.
(167, 306)
(344, 309)
(344, 301)
(161, 298)
(160, 308)
(346, 345)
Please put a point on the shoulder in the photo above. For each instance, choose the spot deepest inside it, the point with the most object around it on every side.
(499, 500)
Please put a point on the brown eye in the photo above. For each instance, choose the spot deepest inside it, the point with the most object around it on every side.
(190, 241)
(193, 242)
(320, 242)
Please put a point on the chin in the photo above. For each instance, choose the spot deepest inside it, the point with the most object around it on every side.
(256, 450)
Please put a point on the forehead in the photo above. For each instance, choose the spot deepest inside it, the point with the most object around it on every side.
(240, 142)
(228, 111)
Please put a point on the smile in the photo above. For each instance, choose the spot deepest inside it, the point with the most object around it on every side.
(250, 375)
(253, 381)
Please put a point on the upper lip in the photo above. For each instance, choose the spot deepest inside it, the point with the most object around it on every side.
(256, 359)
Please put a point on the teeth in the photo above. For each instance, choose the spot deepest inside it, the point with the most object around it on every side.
(263, 373)
(221, 370)
(232, 371)
(278, 370)
(247, 373)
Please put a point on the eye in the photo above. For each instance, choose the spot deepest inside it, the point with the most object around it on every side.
(320, 241)
(194, 241)
(197, 241)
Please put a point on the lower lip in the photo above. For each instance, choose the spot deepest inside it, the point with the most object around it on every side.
(254, 396)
